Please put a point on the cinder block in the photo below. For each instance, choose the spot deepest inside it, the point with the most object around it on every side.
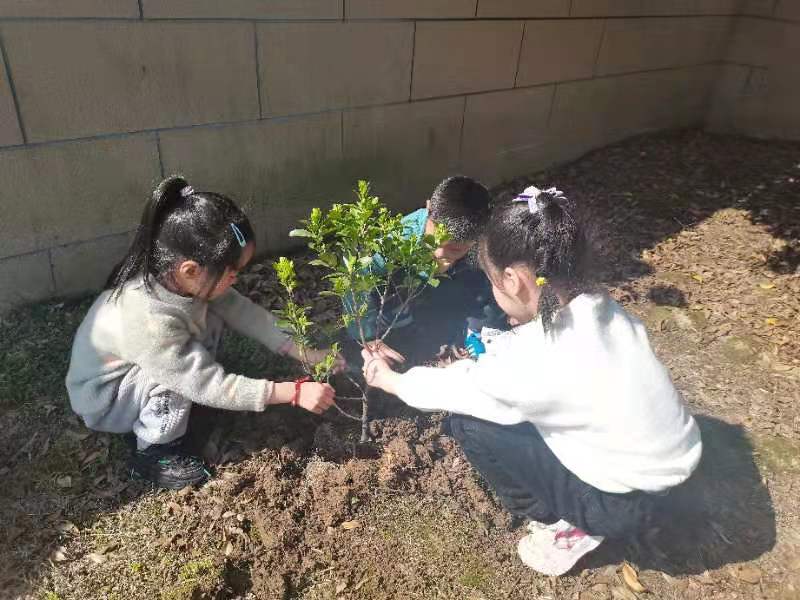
(505, 133)
(643, 44)
(318, 66)
(62, 193)
(788, 9)
(410, 9)
(276, 170)
(10, 133)
(774, 101)
(759, 97)
(759, 42)
(243, 9)
(597, 112)
(24, 279)
(404, 150)
(730, 88)
(69, 8)
(80, 79)
(85, 267)
(651, 8)
(539, 63)
(460, 57)
(758, 8)
(717, 7)
(517, 9)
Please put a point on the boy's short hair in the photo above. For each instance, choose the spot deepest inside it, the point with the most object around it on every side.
(462, 205)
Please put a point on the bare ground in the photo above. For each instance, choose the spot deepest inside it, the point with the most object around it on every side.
(699, 236)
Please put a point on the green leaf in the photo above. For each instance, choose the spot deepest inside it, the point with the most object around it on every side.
(301, 233)
(433, 282)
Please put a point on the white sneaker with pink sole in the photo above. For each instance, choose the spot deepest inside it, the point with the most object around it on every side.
(554, 549)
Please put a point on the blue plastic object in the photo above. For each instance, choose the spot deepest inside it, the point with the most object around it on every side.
(473, 344)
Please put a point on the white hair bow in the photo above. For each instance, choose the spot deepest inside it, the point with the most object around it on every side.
(531, 193)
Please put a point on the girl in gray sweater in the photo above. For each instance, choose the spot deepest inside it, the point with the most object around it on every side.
(146, 349)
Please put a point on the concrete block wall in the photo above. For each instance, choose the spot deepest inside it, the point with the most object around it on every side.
(283, 104)
(758, 93)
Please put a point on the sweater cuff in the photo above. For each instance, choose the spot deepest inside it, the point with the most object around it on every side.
(269, 389)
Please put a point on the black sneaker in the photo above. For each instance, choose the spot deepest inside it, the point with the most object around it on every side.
(168, 467)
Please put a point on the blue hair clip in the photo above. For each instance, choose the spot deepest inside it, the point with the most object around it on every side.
(239, 235)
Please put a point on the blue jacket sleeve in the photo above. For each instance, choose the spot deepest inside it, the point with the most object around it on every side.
(413, 224)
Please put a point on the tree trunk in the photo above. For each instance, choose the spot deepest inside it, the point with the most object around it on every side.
(364, 419)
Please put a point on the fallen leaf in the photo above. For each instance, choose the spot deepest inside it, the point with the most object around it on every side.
(771, 321)
(747, 574)
(631, 579)
(68, 527)
(96, 558)
(706, 578)
(669, 579)
(93, 456)
(350, 525)
(698, 278)
(64, 482)
(228, 549)
(78, 436)
(109, 548)
(167, 541)
(766, 286)
(360, 584)
(720, 532)
(341, 586)
(59, 554)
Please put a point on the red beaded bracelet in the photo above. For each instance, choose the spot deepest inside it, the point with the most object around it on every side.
(297, 384)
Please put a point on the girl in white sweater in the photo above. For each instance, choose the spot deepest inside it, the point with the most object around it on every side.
(569, 416)
(145, 351)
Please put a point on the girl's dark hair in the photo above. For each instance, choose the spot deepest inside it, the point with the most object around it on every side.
(181, 224)
(548, 240)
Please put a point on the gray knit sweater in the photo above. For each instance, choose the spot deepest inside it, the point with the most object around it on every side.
(160, 332)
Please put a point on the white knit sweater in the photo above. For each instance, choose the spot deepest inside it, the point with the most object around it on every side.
(161, 332)
(594, 389)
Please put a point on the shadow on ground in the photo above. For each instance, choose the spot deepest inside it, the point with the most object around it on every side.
(722, 515)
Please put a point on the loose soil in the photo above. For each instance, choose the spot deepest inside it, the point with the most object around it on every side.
(698, 235)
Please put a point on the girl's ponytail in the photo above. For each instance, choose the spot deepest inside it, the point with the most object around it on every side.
(538, 229)
(140, 256)
(179, 224)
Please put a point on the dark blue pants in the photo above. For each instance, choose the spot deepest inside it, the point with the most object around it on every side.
(532, 483)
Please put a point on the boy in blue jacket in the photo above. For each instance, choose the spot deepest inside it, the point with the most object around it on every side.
(440, 315)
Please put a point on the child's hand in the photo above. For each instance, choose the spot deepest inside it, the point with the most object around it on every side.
(381, 350)
(378, 373)
(316, 397)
